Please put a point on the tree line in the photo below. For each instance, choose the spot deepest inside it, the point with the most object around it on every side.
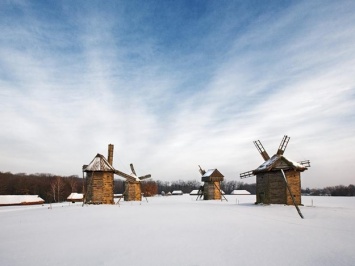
(188, 186)
(54, 188)
(339, 190)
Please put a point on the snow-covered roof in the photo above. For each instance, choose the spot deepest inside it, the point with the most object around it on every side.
(209, 172)
(20, 199)
(195, 192)
(99, 163)
(177, 192)
(240, 192)
(279, 162)
(212, 175)
(75, 196)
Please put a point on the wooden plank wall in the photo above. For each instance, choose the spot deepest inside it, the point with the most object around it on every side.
(271, 188)
(294, 182)
(277, 188)
(99, 188)
(133, 191)
(211, 192)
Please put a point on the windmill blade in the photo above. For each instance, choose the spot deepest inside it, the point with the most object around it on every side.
(283, 145)
(261, 150)
(144, 177)
(305, 163)
(132, 169)
(124, 175)
(246, 174)
(202, 171)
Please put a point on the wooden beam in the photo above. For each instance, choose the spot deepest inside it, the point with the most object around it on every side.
(124, 175)
(246, 174)
(293, 199)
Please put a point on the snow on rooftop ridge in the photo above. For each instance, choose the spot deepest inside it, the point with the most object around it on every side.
(135, 177)
(20, 199)
(177, 192)
(99, 163)
(209, 172)
(196, 192)
(75, 196)
(212, 175)
(271, 163)
(240, 192)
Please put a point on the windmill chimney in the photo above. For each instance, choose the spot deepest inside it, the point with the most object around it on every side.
(110, 154)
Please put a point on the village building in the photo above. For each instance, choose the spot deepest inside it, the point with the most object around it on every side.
(75, 197)
(177, 192)
(240, 192)
(196, 192)
(13, 200)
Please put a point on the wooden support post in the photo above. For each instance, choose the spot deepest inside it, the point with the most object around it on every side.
(84, 194)
(293, 199)
(198, 192)
(220, 191)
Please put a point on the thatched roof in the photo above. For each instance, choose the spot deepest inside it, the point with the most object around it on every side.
(278, 162)
(99, 163)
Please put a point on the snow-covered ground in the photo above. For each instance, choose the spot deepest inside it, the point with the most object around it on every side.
(178, 230)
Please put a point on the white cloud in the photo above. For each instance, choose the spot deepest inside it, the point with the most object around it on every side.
(168, 111)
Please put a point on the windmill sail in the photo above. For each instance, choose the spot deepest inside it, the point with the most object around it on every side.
(202, 171)
(132, 169)
(145, 177)
(305, 163)
(283, 145)
(261, 150)
(246, 174)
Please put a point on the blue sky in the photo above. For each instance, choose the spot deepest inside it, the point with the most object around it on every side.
(175, 84)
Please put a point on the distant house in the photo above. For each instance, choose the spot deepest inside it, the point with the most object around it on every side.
(75, 197)
(196, 192)
(240, 192)
(177, 192)
(12, 200)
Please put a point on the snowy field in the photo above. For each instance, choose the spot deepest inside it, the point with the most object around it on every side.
(178, 230)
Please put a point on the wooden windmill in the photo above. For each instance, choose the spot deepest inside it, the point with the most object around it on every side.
(278, 179)
(99, 180)
(133, 190)
(211, 190)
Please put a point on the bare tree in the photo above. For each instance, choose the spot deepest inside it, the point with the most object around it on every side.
(53, 186)
(73, 183)
(60, 186)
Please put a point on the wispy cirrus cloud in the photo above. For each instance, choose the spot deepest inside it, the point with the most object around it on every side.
(177, 86)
